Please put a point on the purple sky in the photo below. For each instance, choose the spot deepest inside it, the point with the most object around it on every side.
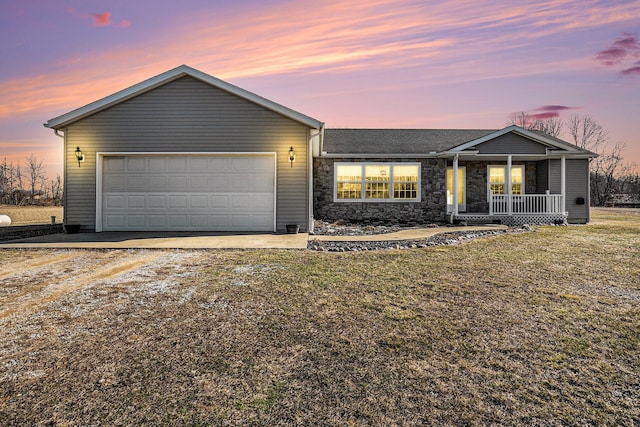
(356, 63)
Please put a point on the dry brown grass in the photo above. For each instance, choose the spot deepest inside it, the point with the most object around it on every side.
(28, 215)
(539, 328)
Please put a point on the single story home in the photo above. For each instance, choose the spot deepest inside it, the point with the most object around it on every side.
(185, 151)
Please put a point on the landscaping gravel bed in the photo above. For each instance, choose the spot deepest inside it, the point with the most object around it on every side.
(445, 238)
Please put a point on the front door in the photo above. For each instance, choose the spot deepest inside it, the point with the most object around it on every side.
(462, 185)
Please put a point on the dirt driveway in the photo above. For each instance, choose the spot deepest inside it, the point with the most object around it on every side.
(31, 280)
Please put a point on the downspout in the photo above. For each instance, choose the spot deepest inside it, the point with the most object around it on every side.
(64, 171)
(320, 135)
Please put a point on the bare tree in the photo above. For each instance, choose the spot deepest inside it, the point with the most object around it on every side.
(552, 126)
(588, 134)
(34, 173)
(521, 119)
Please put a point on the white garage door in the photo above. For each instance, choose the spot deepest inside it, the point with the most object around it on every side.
(188, 193)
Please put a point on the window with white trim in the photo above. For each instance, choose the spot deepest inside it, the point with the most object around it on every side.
(374, 182)
(497, 177)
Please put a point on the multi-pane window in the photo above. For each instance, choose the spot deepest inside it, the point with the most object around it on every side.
(377, 181)
(497, 178)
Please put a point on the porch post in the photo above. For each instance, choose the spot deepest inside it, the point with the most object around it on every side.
(563, 183)
(507, 185)
(454, 208)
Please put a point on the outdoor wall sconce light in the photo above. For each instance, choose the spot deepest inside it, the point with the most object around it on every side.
(292, 155)
(79, 156)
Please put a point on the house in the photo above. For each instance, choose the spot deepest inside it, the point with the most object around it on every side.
(185, 151)
(415, 175)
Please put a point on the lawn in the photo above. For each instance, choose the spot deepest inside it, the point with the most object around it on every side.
(28, 215)
(538, 328)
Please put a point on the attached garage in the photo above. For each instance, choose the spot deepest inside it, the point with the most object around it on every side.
(177, 192)
(184, 151)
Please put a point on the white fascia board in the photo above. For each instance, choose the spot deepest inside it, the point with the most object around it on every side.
(166, 77)
(379, 156)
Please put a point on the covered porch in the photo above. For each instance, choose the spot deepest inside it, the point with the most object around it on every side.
(507, 189)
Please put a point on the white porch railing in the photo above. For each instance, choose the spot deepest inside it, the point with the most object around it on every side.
(516, 204)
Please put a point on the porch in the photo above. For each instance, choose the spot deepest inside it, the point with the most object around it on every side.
(520, 209)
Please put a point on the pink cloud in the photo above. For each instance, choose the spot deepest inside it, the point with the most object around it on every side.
(101, 19)
(554, 108)
(633, 71)
(125, 24)
(622, 48)
(545, 115)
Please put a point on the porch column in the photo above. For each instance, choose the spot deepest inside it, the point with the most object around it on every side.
(507, 186)
(563, 183)
(454, 208)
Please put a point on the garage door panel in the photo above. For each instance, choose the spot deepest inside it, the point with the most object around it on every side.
(177, 220)
(199, 183)
(177, 183)
(113, 164)
(157, 201)
(239, 183)
(136, 202)
(199, 164)
(220, 202)
(199, 201)
(240, 165)
(218, 182)
(177, 202)
(158, 183)
(135, 221)
(114, 202)
(157, 221)
(136, 183)
(183, 193)
(199, 220)
(136, 164)
(178, 164)
(114, 183)
(114, 220)
(157, 164)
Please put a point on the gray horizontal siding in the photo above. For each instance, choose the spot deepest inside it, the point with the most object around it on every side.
(187, 115)
(577, 187)
(542, 176)
(511, 143)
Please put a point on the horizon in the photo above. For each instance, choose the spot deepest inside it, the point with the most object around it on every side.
(372, 64)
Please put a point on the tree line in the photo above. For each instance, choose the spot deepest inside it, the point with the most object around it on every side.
(27, 184)
(610, 175)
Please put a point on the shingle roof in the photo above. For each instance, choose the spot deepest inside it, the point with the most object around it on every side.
(422, 141)
(397, 141)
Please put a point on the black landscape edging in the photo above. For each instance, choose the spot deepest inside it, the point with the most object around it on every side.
(15, 232)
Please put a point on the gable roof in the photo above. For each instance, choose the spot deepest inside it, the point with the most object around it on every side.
(552, 143)
(169, 76)
(428, 142)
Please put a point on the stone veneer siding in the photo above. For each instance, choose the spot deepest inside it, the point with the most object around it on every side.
(477, 183)
(431, 208)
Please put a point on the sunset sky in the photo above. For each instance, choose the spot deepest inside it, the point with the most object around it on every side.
(355, 63)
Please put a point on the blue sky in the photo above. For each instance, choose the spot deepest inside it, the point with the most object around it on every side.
(375, 63)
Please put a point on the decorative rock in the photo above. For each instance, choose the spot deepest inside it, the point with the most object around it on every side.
(446, 238)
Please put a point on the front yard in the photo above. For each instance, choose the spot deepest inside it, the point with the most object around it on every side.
(538, 328)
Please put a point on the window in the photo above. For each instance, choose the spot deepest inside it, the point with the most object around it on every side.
(377, 181)
(497, 176)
